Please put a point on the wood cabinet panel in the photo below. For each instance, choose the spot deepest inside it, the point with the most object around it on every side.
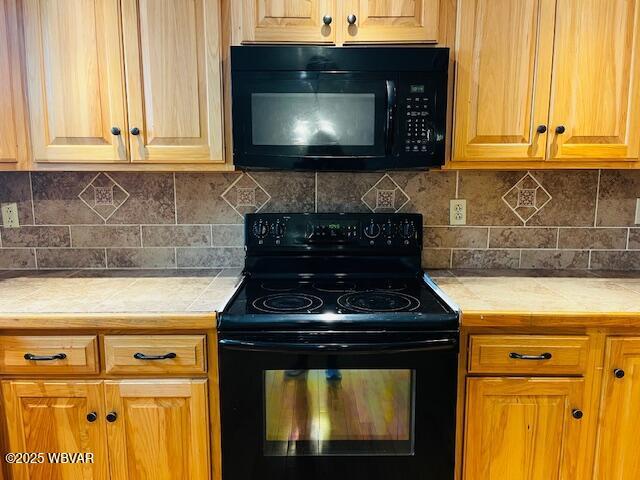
(391, 21)
(618, 452)
(522, 428)
(189, 353)
(299, 21)
(174, 80)
(47, 416)
(504, 58)
(13, 139)
(75, 80)
(161, 431)
(596, 80)
(540, 354)
(80, 354)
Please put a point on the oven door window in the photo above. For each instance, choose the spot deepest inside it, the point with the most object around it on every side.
(338, 412)
(303, 114)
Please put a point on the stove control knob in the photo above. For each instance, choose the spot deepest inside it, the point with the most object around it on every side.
(372, 230)
(279, 229)
(260, 229)
(388, 230)
(407, 230)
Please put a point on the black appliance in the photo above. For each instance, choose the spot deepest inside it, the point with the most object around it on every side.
(331, 108)
(338, 356)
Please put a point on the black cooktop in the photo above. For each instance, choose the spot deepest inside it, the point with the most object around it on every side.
(338, 304)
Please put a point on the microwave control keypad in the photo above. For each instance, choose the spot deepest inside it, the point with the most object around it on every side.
(419, 138)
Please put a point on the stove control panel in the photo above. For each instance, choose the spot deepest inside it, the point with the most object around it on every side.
(322, 231)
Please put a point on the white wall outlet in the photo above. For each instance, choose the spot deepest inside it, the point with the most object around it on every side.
(637, 211)
(458, 212)
(10, 215)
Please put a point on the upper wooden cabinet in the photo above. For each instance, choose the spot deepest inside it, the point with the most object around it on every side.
(504, 69)
(115, 81)
(549, 81)
(618, 452)
(75, 80)
(286, 20)
(326, 21)
(13, 140)
(523, 428)
(596, 80)
(174, 91)
(389, 21)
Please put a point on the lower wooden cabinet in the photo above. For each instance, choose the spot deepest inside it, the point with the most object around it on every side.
(136, 429)
(522, 428)
(48, 417)
(618, 452)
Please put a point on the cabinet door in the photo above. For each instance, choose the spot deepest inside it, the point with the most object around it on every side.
(75, 80)
(297, 21)
(51, 417)
(522, 429)
(618, 454)
(391, 21)
(13, 142)
(174, 83)
(503, 79)
(596, 80)
(161, 430)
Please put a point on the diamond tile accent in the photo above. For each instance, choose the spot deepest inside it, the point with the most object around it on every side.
(245, 195)
(527, 197)
(103, 195)
(385, 196)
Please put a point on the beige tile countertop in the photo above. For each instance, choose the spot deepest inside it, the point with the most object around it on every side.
(508, 297)
(114, 292)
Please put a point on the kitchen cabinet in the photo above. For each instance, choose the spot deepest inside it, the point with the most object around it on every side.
(595, 108)
(332, 21)
(525, 428)
(161, 430)
(618, 452)
(504, 60)
(115, 82)
(13, 139)
(547, 84)
(390, 21)
(51, 416)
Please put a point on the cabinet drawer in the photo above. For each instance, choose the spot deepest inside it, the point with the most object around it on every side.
(155, 354)
(42, 355)
(528, 354)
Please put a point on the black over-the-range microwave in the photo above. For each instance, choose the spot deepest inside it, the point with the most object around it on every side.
(339, 108)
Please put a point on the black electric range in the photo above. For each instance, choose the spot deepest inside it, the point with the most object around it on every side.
(338, 355)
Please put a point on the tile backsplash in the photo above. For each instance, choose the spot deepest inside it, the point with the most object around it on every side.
(574, 219)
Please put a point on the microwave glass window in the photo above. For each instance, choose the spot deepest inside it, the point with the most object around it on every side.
(338, 412)
(313, 119)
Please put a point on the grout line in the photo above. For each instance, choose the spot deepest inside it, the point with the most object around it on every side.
(175, 199)
(628, 238)
(488, 237)
(595, 215)
(106, 263)
(589, 264)
(520, 259)
(211, 233)
(204, 290)
(35, 256)
(558, 239)
(175, 257)
(70, 238)
(141, 242)
(451, 259)
(33, 208)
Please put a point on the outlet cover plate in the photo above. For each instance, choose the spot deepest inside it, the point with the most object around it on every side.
(637, 211)
(457, 212)
(10, 215)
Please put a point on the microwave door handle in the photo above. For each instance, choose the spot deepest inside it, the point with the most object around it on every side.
(391, 110)
(419, 345)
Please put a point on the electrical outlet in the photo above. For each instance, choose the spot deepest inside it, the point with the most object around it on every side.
(637, 211)
(10, 215)
(458, 212)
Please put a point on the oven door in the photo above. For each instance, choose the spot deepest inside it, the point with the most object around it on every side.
(339, 406)
(313, 120)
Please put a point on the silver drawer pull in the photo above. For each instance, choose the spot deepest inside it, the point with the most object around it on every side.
(520, 356)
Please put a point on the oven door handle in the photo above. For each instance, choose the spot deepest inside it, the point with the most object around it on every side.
(391, 110)
(339, 347)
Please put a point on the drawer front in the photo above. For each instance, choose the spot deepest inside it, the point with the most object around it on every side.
(47, 355)
(155, 354)
(528, 354)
